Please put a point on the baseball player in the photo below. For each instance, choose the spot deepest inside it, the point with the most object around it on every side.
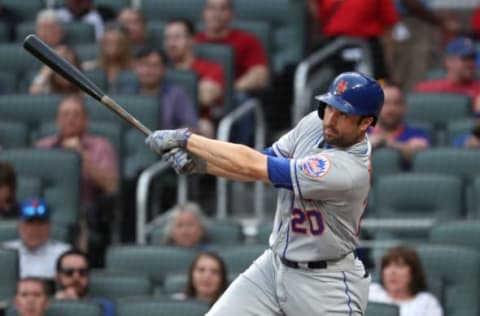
(322, 170)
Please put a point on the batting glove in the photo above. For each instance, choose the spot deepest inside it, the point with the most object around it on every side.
(184, 162)
(162, 140)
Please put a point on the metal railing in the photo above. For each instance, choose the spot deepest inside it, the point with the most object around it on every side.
(352, 49)
(224, 132)
(144, 181)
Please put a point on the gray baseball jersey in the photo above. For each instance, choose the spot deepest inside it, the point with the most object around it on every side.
(320, 218)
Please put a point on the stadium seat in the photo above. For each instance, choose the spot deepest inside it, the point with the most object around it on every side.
(166, 9)
(155, 261)
(118, 285)
(223, 55)
(459, 271)
(87, 51)
(28, 187)
(460, 233)
(75, 32)
(59, 172)
(474, 198)
(380, 309)
(8, 273)
(458, 128)
(67, 308)
(161, 307)
(3, 32)
(437, 108)
(239, 258)
(8, 231)
(464, 163)
(8, 82)
(385, 161)
(155, 30)
(25, 9)
(13, 135)
(287, 21)
(174, 283)
(218, 232)
(263, 232)
(13, 58)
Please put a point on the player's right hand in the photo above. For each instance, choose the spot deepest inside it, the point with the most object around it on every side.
(163, 140)
(184, 162)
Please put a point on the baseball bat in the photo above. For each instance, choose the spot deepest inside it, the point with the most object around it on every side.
(49, 57)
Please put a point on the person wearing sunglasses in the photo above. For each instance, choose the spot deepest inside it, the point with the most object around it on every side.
(73, 279)
(38, 253)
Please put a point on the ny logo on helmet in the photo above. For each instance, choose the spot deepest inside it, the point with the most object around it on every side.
(341, 87)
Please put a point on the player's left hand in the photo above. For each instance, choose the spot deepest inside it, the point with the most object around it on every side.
(162, 140)
(184, 162)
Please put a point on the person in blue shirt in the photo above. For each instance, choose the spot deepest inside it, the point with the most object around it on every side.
(392, 131)
(470, 139)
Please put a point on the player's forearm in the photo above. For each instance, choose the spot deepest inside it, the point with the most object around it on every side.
(229, 160)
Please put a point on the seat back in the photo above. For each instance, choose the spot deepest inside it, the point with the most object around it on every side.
(155, 261)
(239, 258)
(59, 172)
(67, 308)
(460, 233)
(8, 82)
(118, 285)
(75, 32)
(13, 135)
(8, 273)
(159, 307)
(380, 309)
(458, 128)
(23, 10)
(385, 161)
(166, 9)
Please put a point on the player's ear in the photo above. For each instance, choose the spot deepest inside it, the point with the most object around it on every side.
(365, 122)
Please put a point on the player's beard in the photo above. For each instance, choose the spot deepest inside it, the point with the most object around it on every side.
(335, 138)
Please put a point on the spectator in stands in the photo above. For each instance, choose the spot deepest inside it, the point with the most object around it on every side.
(177, 108)
(251, 68)
(48, 81)
(179, 44)
(99, 160)
(82, 11)
(31, 297)
(392, 131)
(371, 20)
(134, 21)
(461, 72)
(470, 139)
(115, 55)
(73, 278)
(185, 227)
(48, 27)
(207, 278)
(402, 282)
(8, 189)
(38, 253)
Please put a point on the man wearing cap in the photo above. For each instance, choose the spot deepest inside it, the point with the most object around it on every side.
(37, 252)
(460, 76)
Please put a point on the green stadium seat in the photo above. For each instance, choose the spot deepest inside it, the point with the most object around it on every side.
(437, 108)
(8, 231)
(218, 232)
(23, 10)
(67, 308)
(87, 51)
(75, 32)
(155, 261)
(13, 58)
(13, 135)
(3, 32)
(155, 30)
(287, 21)
(380, 309)
(458, 128)
(174, 283)
(464, 163)
(161, 307)
(28, 187)
(166, 9)
(118, 285)
(59, 172)
(474, 198)
(459, 271)
(223, 55)
(239, 258)
(8, 82)
(8, 273)
(263, 232)
(460, 233)
(114, 6)
(385, 161)
(29, 109)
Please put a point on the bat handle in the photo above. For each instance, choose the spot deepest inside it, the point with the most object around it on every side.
(114, 106)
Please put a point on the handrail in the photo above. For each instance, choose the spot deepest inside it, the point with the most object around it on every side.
(143, 185)
(301, 99)
(223, 133)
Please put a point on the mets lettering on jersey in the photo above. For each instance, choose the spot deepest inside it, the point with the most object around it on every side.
(316, 166)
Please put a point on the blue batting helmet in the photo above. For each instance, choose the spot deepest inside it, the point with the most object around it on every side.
(353, 93)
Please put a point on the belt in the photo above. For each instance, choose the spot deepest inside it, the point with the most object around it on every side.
(322, 264)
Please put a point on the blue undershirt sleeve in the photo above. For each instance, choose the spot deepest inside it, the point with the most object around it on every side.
(279, 172)
(269, 152)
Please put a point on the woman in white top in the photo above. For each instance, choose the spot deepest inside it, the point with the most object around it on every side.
(403, 283)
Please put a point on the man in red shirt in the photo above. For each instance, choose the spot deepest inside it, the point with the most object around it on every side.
(179, 42)
(460, 76)
(366, 19)
(251, 70)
